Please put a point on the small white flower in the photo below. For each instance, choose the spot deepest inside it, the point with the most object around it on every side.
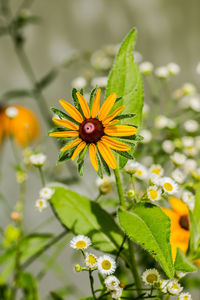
(178, 176)
(194, 102)
(146, 109)
(116, 293)
(187, 141)
(79, 83)
(137, 56)
(189, 88)
(146, 67)
(180, 274)
(91, 260)
(168, 185)
(191, 125)
(173, 69)
(99, 81)
(178, 158)
(105, 184)
(38, 160)
(137, 169)
(106, 265)
(190, 165)
(198, 68)
(156, 169)
(11, 112)
(147, 136)
(185, 296)
(100, 60)
(162, 72)
(154, 179)
(154, 193)
(163, 286)
(150, 276)
(174, 287)
(41, 204)
(168, 146)
(80, 242)
(189, 199)
(111, 282)
(190, 151)
(161, 121)
(46, 193)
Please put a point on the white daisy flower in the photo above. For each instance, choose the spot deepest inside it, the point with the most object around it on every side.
(190, 151)
(137, 56)
(161, 122)
(187, 141)
(41, 204)
(116, 293)
(106, 265)
(194, 102)
(11, 112)
(105, 184)
(190, 166)
(168, 146)
(46, 193)
(38, 160)
(178, 158)
(91, 260)
(191, 125)
(189, 199)
(180, 274)
(185, 296)
(154, 179)
(147, 136)
(80, 242)
(174, 288)
(169, 185)
(150, 276)
(163, 286)
(189, 88)
(79, 83)
(111, 282)
(173, 69)
(178, 176)
(146, 67)
(156, 169)
(162, 72)
(99, 81)
(154, 193)
(137, 169)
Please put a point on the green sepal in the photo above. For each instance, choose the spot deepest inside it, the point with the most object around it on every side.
(105, 166)
(75, 98)
(124, 154)
(55, 129)
(135, 137)
(99, 172)
(92, 96)
(63, 115)
(65, 155)
(81, 167)
(125, 116)
(82, 154)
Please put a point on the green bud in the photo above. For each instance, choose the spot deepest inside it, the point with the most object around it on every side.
(78, 268)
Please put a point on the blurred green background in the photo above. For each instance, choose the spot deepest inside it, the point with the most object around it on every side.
(168, 31)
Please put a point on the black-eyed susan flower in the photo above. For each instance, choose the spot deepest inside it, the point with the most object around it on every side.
(80, 242)
(106, 265)
(95, 128)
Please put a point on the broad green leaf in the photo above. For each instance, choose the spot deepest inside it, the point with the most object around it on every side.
(29, 286)
(86, 217)
(148, 226)
(126, 81)
(194, 248)
(182, 263)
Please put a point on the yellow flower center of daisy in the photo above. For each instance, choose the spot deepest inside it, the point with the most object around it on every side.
(40, 203)
(139, 172)
(151, 278)
(153, 194)
(174, 286)
(81, 244)
(106, 264)
(156, 171)
(91, 259)
(168, 186)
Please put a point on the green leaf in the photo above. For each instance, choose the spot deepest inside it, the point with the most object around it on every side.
(194, 247)
(86, 217)
(148, 226)
(126, 81)
(182, 263)
(29, 286)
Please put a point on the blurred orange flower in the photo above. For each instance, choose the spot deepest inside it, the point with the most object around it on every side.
(20, 123)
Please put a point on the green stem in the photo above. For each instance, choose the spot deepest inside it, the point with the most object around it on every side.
(98, 197)
(92, 284)
(120, 188)
(14, 149)
(42, 176)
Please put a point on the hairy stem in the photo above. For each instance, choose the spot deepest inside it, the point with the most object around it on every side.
(92, 284)
(120, 188)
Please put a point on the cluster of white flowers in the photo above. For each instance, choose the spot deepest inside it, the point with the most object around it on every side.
(45, 194)
(105, 184)
(162, 121)
(112, 283)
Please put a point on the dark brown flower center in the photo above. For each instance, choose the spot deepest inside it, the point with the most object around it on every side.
(184, 222)
(91, 130)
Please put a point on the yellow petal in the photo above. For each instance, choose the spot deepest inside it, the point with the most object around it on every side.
(84, 105)
(74, 113)
(107, 155)
(69, 133)
(113, 144)
(112, 123)
(96, 104)
(178, 206)
(93, 156)
(107, 119)
(73, 144)
(80, 147)
(107, 106)
(120, 130)
(66, 124)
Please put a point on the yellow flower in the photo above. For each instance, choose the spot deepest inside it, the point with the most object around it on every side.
(180, 233)
(94, 128)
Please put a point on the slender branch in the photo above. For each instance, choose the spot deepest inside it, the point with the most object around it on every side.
(121, 248)
(42, 176)
(92, 284)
